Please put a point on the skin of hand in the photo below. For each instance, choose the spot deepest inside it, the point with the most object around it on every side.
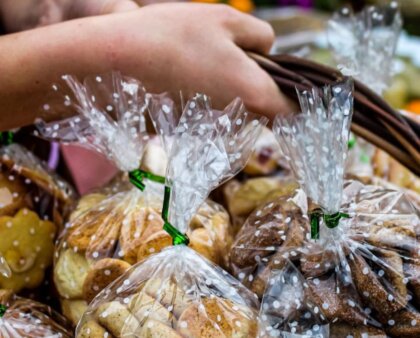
(27, 14)
(169, 47)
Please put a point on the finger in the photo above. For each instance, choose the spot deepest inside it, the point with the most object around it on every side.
(243, 77)
(116, 6)
(248, 32)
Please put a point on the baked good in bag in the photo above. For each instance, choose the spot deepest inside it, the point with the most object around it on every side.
(162, 298)
(27, 318)
(33, 204)
(346, 275)
(105, 239)
(242, 198)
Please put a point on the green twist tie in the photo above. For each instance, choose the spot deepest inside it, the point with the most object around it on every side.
(177, 236)
(137, 176)
(330, 220)
(351, 143)
(3, 309)
(6, 138)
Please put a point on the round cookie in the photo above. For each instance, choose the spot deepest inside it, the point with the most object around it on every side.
(70, 272)
(101, 274)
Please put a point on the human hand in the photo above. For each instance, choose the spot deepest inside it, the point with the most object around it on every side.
(195, 48)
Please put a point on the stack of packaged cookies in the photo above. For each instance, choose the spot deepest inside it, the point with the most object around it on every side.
(114, 228)
(34, 202)
(348, 264)
(177, 292)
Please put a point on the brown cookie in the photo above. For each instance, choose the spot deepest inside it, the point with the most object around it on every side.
(85, 203)
(264, 231)
(335, 301)
(340, 330)
(132, 229)
(101, 274)
(217, 318)
(154, 244)
(403, 324)
(412, 273)
(202, 242)
(394, 274)
(13, 194)
(371, 289)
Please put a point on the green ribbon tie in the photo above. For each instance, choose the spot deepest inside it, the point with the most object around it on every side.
(330, 220)
(6, 138)
(177, 236)
(351, 143)
(3, 309)
(137, 176)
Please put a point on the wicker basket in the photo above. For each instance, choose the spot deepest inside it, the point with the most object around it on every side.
(373, 118)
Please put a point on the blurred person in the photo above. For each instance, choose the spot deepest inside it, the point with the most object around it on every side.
(169, 47)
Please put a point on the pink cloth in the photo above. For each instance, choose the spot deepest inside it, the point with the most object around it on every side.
(89, 169)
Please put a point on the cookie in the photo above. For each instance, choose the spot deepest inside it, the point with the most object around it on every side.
(216, 317)
(118, 320)
(340, 330)
(13, 194)
(102, 273)
(95, 233)
(154, 244)
(85, 203)
(202, 242)
(73, 310)
(70, 273)
(144, 307)
(168, 294)
(156, 329)
(403, 324)
(132, 228)
(336, 305)
(371, 289)
(27, 244)
(91, 329)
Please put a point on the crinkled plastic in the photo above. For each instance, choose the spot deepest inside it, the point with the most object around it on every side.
(177, 292)
(266, 158)
(364, 44)
(361, 277)
(243, 197)
(33, 204)
(114, 228)
(30, 319)
(110, 117)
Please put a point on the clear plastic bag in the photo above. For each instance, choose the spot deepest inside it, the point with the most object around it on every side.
(26, 318)
(33, 205)
(101, 240)
(177, 292)
(360, 277)
(364, 44)
(114, 228)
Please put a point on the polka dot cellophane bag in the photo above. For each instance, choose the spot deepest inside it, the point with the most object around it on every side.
(115, 227)
(21, 317)
(34, 202)
(177, 292)
(335, 259)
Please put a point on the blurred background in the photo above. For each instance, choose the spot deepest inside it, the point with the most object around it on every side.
(300, 29)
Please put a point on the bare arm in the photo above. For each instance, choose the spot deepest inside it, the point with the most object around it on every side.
(20, 15)
(169, 47)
